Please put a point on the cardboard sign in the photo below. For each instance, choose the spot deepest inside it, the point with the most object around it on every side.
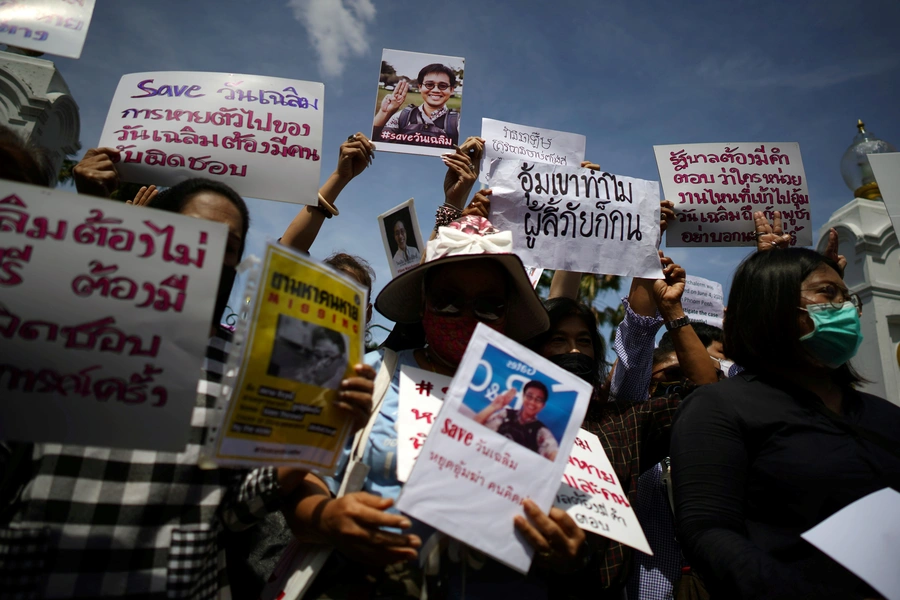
(413, 117)
(260, 135)
(305, 333)
(52, 26)
(105, 311)
(717, 187)
(401, 237)
(577, 219)
(421, 397)
(522, 142)
(594, 498)
(704, 301)
(505, 429)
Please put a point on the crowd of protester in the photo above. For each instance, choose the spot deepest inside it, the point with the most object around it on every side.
(729, 444)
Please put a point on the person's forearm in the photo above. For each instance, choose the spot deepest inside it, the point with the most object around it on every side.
(641, 298)
(485, 414)
(302, 231)
(565, 285)
(381, 118)
(303, 510)
(634, 344)
(696, 364)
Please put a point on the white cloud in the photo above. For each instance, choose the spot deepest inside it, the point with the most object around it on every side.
(336, 28)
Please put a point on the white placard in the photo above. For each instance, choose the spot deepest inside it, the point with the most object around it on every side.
(524, 142)
(106, 310)
(865, 538)
(592, 495)
(886, 168)
(466, 464)
(52, 26)
(577, 219)
(260, 135)
(421, 397)
(703, 300)
(401, 237)
(717, 187)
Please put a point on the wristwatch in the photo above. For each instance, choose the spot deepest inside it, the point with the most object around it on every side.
(679, 322)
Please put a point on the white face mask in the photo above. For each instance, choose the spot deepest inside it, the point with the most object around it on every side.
(725, 365)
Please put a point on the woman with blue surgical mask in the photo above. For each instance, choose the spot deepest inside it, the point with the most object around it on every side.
(760, 458)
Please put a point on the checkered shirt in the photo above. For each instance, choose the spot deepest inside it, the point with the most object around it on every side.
(132, 523)
(634, 345)
(635, 437)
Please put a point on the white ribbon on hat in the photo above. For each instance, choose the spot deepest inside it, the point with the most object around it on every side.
(453, 242)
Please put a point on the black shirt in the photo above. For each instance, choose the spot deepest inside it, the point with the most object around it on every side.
(755, 465)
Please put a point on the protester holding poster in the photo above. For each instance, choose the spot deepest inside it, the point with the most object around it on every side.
(159, 514)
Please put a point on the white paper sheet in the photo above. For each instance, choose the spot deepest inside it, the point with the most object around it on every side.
(865, 538)
(260, 135)
(887, 173)
(105, 310)
(523, 142)
(52, 26)
(577, 219)
(471, 480)
(704, 301)
(593, 496)
(421, 397)
(717, 187)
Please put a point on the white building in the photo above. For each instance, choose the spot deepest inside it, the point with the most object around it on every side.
(36, 102)
(871, 247)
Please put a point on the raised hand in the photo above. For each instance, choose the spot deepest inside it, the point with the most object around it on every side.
(666, 214)
(559, 542)
(95, 174)
(586, 164)
(480, 205)
(831, 251)
(770, 236)
(355, 395)
(462, 172)
(667, 292)
(356, 154)
(393, 102)
(144, 196)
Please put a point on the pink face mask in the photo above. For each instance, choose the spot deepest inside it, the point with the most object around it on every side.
(448, 337)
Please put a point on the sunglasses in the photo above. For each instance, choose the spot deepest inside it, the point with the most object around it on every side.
(429, 85)
(451, 304)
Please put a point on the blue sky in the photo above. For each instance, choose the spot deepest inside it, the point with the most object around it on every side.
(626, 74)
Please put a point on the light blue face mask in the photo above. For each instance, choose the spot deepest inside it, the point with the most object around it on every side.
(836, 333)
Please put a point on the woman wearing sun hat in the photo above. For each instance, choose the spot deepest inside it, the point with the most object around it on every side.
(469, 275)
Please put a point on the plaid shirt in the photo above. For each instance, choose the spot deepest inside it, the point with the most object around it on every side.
(132, 523)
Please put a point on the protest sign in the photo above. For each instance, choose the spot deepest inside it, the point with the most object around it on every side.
(534, 275)
(864, 537)
(703, 301)
(418, 104)
(52, 26)
(401, 237)
(304, 334)
(506, 427)
(421, 397)
(260, 135)
(523, 142)
(106, 311)
(886, 168)
(577, 219)
(716, 189)
(594, 498)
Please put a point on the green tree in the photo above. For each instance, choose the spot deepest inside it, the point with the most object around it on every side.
(592, 286)
(387, 68)
(66, 173)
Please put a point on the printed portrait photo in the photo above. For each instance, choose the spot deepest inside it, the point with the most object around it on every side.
(308, 353)
(402, 239)
(518, 403)
(417, 108)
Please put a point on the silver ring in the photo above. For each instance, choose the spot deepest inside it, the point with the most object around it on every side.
(775, 244)
(351, 138)
(471, 166)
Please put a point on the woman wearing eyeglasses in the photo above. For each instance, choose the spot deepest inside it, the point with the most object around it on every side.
(760, 458)
(466, 278)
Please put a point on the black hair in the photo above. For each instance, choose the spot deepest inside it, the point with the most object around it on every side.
(176, 197)
(534, 383)
(437, 68)
(560, 308)
(356, 266)
(707, 334)
(323, 333)
(23, 161)
(762, 330)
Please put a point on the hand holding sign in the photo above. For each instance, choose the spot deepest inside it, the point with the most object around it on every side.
(95, 174)
(667, 292)
(556, 537)
(357, 153)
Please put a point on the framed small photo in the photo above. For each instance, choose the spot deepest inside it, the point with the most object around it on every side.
(402, 238)
(418, 104)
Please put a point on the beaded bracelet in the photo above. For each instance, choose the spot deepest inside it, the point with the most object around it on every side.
(327, 208)
(445, 214)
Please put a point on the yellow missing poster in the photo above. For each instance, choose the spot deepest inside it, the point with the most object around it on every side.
(305, 333)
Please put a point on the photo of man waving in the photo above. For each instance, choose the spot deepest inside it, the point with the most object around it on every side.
(522, 426)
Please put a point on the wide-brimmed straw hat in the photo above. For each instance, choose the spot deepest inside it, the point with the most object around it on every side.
(465, 239)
